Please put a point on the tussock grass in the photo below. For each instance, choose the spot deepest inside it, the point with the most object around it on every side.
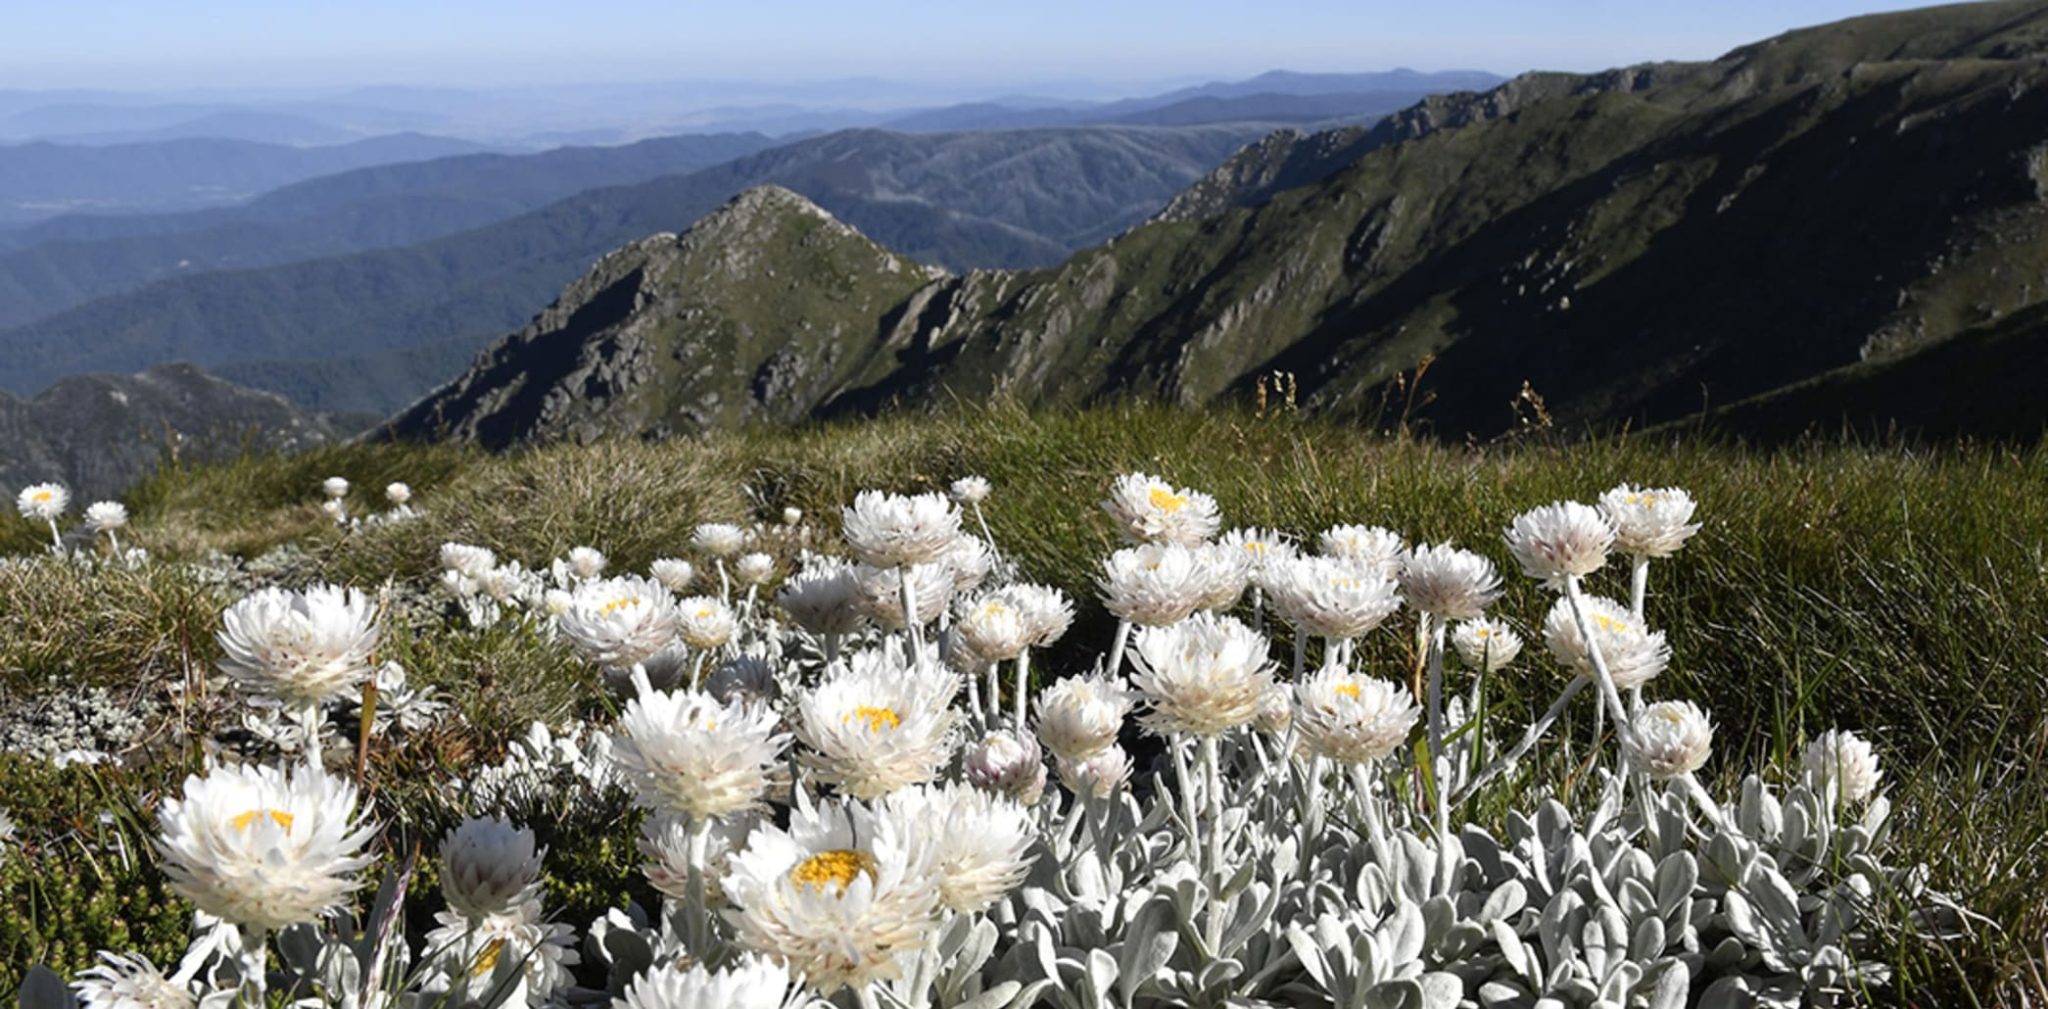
(114, 627)
(1896, 591)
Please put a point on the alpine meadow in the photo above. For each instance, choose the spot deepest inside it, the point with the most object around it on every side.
(1003, 527)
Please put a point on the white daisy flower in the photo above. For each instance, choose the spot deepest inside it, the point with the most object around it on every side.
(130, 981)
(587, 562)
(1101, 775)
(1634, 653)
(619, 621)
(879, 723)
(1671, 738)
(1844, 760)
(1047, 611)
(1203, 676)
(1351, 718)
(335, 510)
(43, 502)
(879, 593)
(1079, 716)
(1153, 584)
(1373, 547)
(260, 849)
(518, 953)
(1559, 541)
(894, 530)
(1649, 522)
(334, 487)
(673, 573)
(1150, 510)
(837, 897)
(792, 515)
(1007, 763)
(1484, 644)
(300, 649)
(1276, 710)
(468, 561)
(102, 516)
(487, 866)
(684, 752)
(975, 866)
(823, 598)
(1227, 572)
(1332, 598)
(970, 562)
(719, 539)
(749, 982)
(705, 623)
(969, 490)
(397, 493)
(1262, 549)
(993, 626)
(753, 569)
(1448, 583)
(665, 845)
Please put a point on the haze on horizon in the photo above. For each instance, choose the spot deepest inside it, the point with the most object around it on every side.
(1062, 48)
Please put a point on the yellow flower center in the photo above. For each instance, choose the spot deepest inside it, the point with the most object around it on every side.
(877, 718)
(279, 816)
(1254, 546)
(41, 495)
(704, 614)
(623, 602)
(834, 869)
(1670, 715)
(1607, 623)
(1348, 690)
(1166, 500)
(1482, 634)
(1642, 499)
(487, 958)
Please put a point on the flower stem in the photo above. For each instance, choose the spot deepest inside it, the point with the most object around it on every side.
(1116, 648)
(1023, 684)
(1639, 585)
(986, 538)
(1612, 697)
(1501, 764)
(1438, 771)
(1212, 772)
(56, 539)
(911, 625)
(697, 919)
(253, 961)
(1369, 811)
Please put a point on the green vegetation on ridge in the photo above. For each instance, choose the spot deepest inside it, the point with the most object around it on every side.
(1894, 592)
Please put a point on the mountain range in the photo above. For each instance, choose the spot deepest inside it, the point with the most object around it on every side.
(66, 261)
(372, 330)
(40, 180)
(1839, 225)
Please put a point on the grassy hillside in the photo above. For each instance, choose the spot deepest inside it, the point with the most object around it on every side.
(1894, 592)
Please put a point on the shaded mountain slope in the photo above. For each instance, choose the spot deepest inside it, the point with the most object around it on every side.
(1635, 245)
(97, 434)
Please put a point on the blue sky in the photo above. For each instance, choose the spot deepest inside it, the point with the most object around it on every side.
(292, 43)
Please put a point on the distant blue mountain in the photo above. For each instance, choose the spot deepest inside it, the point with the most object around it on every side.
(41, 180)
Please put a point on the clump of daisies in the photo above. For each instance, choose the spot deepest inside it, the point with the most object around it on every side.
(845, 783)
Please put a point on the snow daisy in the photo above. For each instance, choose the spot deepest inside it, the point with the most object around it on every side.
(263, 849)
